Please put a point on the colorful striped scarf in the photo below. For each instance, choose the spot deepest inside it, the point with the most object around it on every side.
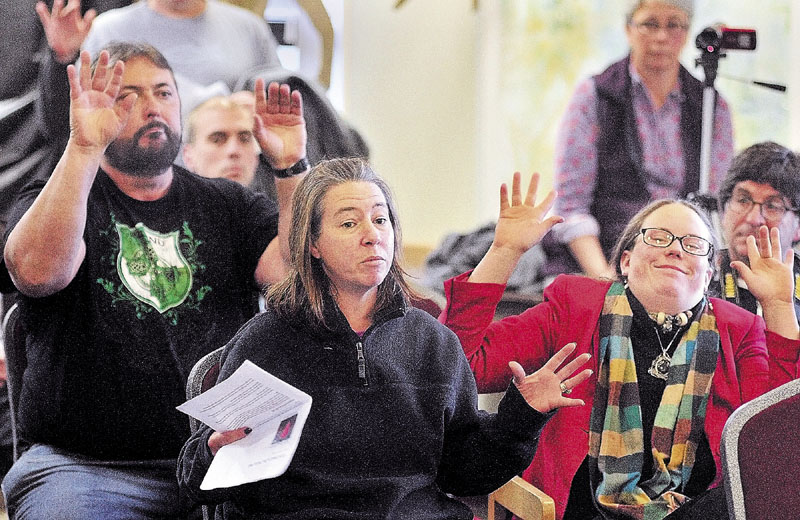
(616, 447)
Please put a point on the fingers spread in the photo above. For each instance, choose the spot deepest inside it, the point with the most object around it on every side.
(86, 71)
(566, 402)
(503, 197)
(574, 381)
(763, 242)
(517, 371)
(44, 15)
(553, 220)
(285, 99)
(554, 362)
(548, 202)
(740, 267)
(572, 366)
(260, 93)
(533, 187)
(297, 103)
(115, 82)
(273, 98)
(516, 191)
(775, 239)
(88, 18)
(100, 73)
(74, 82)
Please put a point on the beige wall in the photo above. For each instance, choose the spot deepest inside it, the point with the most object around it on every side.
(410, 88)
(421, 83)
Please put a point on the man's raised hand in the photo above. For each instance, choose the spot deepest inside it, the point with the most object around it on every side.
(96, 114)
(280, 128)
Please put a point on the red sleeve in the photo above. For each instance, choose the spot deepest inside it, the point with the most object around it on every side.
(529, 338)
(784, 359)
(764, 359)
(751, 358)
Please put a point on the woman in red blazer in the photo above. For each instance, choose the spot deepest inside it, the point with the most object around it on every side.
(671, 365)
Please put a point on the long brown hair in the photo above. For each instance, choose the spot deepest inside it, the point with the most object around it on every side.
(303, 291)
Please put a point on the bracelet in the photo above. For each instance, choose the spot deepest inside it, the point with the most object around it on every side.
(297, 168)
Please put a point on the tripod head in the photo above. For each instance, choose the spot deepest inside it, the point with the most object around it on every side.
(713, 40)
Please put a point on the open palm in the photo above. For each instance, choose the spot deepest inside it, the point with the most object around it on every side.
(770, 273)
(523, 223)
(280, 128)
(96, 115)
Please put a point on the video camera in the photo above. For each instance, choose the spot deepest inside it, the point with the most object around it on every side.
(719, 37)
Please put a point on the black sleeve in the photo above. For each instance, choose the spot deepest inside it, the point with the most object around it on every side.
(260, 226)
(52, 103)
(21, 204)
(482, 451)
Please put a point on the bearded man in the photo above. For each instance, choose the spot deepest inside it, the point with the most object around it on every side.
(130, 269)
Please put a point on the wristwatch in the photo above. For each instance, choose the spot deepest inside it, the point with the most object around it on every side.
(297, 168)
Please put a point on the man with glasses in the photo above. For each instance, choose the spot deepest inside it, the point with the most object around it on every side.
(631, 135)
(762, 187)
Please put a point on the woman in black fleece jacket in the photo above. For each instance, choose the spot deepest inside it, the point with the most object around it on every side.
(394, 426)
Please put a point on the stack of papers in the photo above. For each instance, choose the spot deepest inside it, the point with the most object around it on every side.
(274, 409)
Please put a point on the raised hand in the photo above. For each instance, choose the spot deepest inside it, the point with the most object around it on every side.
(65, 28)
(547, 388)
(280, 128)
(769, 277)
(96, 116)
(522, 223)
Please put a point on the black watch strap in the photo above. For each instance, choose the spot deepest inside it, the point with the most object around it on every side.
(297, 168)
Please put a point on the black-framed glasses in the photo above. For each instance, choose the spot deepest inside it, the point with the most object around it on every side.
(772, 208)
(651, 28)
(692, 244)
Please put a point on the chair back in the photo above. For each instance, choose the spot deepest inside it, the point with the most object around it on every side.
(202, 377)
(760, 456)
(16, 364)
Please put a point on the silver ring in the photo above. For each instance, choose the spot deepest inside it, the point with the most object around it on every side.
(564, 389)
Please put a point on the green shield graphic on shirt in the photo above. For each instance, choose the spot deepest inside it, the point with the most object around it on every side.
(152, 267)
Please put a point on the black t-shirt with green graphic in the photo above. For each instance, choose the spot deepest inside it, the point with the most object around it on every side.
(163, 283)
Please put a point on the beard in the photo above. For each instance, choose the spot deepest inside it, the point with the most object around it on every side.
(127, 156)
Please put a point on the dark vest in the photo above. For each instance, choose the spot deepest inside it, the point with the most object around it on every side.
(621, 189)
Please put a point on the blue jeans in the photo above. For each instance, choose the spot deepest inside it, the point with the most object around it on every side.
(47, 482)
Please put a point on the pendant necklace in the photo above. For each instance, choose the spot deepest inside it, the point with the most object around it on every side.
(659, 368)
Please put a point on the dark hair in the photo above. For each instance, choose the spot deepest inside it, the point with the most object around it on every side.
(631, 232)
(764, 163)
(126, 51)
(303, 291)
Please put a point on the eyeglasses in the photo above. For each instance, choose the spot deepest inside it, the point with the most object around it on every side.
(692, 244)
(651, 28)
(772, 209)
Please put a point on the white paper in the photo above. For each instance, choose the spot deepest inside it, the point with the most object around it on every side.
(274, 409)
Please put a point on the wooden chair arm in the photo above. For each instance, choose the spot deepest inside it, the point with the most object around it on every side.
(523, 499)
